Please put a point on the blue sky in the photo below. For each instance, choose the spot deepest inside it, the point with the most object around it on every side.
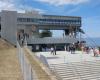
(89, 10)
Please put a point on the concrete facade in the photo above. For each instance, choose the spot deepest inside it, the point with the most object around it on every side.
(30, 22)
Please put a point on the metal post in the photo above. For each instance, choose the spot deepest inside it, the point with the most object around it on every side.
(64, 59)
(25, 42)
(80, 37)
(31, 74)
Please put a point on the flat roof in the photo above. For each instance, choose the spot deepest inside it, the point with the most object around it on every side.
(61, 16)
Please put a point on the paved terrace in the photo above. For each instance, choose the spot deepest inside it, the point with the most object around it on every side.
(67, 57)
(9, 66)
(78, 66)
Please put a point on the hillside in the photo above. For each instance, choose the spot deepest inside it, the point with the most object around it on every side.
(9, 66)
(4, 45)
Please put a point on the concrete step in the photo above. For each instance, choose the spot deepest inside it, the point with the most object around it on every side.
(70, 78)
(78, 71)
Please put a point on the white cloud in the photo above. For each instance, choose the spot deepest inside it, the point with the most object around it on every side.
(29, 8)
(5, 5)
(73, 10)
(63, 2)
(11, 5)
(40, 11)
(6, 0)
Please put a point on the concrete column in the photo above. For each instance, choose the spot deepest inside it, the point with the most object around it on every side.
(9, 26)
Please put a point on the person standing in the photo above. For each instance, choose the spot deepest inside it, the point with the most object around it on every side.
(65, 48)
(71, 49)
(96, 52)
(52, 50)
(55, 50)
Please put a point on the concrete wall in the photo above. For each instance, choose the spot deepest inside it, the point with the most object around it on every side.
(9, 25)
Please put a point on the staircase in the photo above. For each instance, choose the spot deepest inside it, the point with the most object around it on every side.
(77, 71)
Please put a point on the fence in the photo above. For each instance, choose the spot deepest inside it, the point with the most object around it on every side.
(27, 71)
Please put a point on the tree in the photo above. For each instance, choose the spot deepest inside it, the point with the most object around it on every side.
(46, 33)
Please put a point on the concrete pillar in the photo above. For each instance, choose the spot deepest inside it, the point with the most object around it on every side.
(66, 32)
(9, 26)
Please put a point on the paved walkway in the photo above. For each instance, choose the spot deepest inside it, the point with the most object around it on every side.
(9, 66)
(67, 57)
(78, 66)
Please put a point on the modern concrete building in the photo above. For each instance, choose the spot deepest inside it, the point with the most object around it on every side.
(12, 23)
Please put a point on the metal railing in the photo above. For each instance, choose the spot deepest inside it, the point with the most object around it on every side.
(52, 40)
(27, 70)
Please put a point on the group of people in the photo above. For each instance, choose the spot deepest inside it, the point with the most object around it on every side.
(96, 52)
(88, 50)
(72, 49)
(21, 38)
